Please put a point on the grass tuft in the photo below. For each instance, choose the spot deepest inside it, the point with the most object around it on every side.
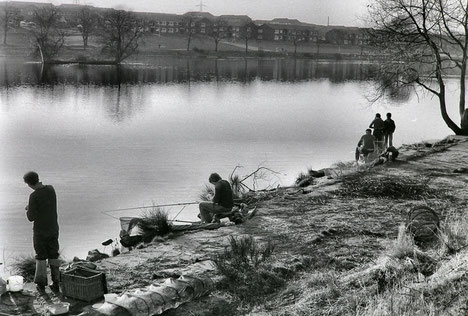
(403, 247)
(25, 266)
(244, 266)
(154, 222)
(304, 179)
(207, 193)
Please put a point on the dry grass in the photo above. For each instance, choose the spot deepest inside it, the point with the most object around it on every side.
(390, 186)
(207, 193)
(25, 266)
(305, 178)
(245, 268)
(404, 246)
(454, 234)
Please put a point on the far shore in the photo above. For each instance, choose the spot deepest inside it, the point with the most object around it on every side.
(19, 48)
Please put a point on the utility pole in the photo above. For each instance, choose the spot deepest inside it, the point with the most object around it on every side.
(201, 5)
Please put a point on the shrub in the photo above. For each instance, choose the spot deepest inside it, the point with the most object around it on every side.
(154, 222)
(245, 270)
(25, 266)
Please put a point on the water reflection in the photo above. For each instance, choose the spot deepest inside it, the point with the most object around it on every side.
(185, 70)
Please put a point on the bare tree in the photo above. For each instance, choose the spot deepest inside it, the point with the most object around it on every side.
(217, 35)
(190, 30)
(122, 32)
(8, 15)
(424, 41)
(87, 21)
(296, 38)
(247, 35)
(47, 37)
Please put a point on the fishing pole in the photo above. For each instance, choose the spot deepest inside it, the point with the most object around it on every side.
(150, 206)
(173, 219)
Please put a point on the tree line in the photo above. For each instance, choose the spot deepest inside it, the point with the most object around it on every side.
(120, 31)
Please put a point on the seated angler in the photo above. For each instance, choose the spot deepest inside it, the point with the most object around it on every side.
(365, 145)
(222, 201)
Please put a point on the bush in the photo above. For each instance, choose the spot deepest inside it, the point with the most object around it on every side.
(154, 222)
(245, 270)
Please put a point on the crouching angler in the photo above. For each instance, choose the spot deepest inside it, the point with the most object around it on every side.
(42, 211)
(222, 202)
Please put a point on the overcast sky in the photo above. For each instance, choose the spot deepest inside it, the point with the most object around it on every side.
(340, 12)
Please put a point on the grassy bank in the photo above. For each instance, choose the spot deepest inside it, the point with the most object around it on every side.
(340, 246)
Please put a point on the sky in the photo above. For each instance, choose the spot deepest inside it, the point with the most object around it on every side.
(339, 12)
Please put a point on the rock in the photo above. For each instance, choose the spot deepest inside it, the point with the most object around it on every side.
(96, 255)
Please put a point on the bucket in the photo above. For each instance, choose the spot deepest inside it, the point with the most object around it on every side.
(15, 283)
(110, 297)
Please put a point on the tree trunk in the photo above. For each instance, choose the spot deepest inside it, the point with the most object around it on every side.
(246, 45)
(5, 30)
(443, 111)
(41, 53)
(461, 105)
(188, 41)
(464, 122)
(216, 45)
(85, 42)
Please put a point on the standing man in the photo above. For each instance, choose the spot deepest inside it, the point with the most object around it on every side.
(222, 200)
(378, 126)
(42, 211)
(389, 128)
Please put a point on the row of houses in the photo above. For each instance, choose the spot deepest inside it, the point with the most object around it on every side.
(231, 27)
(243, 27)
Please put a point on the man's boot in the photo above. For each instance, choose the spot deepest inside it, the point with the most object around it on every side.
(40, 277)
(55, 274)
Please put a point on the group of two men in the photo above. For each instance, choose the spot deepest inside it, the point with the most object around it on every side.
(383, 134)
(42, 211)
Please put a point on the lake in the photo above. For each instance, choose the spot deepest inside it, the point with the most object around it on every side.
(109, 138)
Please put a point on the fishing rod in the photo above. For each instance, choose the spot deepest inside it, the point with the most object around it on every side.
(150, 206)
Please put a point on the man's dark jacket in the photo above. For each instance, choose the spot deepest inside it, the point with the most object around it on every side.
(223, 194)
(42, 210)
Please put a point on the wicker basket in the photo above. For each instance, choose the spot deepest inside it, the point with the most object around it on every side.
(83, 284)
